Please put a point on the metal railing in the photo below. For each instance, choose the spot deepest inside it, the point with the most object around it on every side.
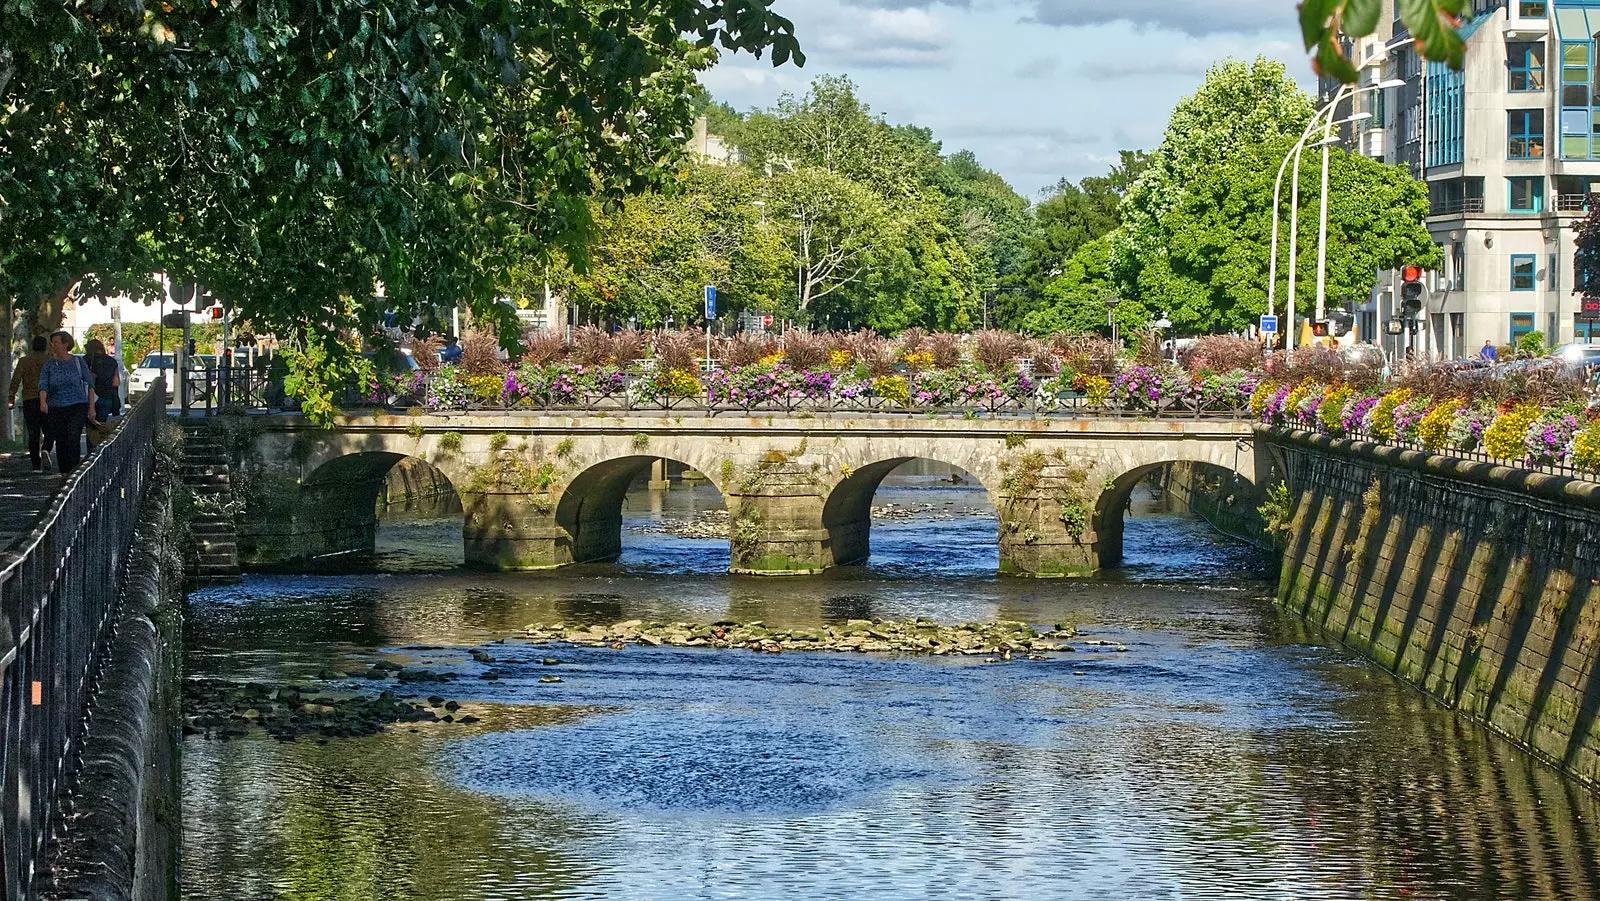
(635, 392)
(1456, 206)
(1572, 203)
(58, 592)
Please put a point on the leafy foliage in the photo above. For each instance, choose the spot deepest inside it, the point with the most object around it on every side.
(1431, 24)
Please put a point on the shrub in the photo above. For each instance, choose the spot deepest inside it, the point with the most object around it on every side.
(1085, 353)
(1531, 344)
(626, 346)
(911, 342)
(591, 346)
(873, 352)
(747, 350)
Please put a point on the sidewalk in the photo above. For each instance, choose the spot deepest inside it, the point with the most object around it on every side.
(24, 495)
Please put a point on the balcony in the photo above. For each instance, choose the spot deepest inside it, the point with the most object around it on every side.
(1572, 203)
(1456, 206)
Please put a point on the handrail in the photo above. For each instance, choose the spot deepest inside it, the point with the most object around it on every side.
(59, 587)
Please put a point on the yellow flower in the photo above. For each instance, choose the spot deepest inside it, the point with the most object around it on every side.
(839, 359)
(1096, 388)
(1586, 446)
(772, 359)
(892, 387)
(680, 383)
(1332, 410)
(920, 360)
(1263, 393)
(1434, 429)
(1383, 413)
(1504, 438)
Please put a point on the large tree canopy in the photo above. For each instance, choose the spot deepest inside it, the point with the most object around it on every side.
(323, 164)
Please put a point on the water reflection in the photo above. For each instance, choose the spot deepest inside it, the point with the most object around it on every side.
(1227, 754)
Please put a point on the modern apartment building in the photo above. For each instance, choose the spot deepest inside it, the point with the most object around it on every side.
(1509, 147)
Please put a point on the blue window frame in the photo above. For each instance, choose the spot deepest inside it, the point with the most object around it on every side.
(1525, 63)
(1526, 194)
(1524, 266)
(1521, 324)
(1576, 100)
(1525, 130)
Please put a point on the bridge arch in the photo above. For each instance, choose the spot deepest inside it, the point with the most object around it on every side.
(1116, 495)
(333, 508)
(847, 510)
(589, 508)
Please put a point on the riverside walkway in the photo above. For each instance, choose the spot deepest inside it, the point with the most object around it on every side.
(24, 496)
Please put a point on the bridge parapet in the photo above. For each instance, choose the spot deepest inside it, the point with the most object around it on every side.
(543, 491)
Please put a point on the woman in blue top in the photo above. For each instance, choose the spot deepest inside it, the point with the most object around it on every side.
(66, 397)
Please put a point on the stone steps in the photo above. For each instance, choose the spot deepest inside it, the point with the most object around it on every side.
(205, 468)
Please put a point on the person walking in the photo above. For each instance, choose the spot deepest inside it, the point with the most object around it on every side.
(66, 396)
(107, 402)
(25, 378)
(122, 373)
(1488, 354)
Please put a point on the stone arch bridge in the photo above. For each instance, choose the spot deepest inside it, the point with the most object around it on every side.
(542, 491)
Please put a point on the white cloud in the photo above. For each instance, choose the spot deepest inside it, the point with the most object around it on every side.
(887, 38)
(1197, 18)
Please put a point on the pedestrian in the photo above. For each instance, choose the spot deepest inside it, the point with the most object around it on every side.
(1488, 354)
(451, 352)
(25, 377)
(107, 402)
(122, 372)
(66, 397)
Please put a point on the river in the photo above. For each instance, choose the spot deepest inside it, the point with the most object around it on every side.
(1225, 754)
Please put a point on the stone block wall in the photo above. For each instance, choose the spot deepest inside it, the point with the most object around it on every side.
(1478, 584)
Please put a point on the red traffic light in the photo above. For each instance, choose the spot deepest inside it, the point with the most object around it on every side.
(1320, 329)
(1411, 273)
(216, 312)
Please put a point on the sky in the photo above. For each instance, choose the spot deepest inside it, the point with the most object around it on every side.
(1038, 89)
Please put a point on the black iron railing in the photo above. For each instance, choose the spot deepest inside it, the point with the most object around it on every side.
(58, 591)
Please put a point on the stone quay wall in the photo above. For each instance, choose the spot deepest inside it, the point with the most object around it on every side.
(1476, 583)
(120, 831)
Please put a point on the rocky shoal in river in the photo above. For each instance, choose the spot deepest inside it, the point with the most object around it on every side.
(217, 708)
(918, 636)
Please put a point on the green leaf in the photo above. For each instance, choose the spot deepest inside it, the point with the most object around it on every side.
(1361, 17)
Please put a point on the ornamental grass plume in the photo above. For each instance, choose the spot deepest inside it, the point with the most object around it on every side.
(806, 350)
(591, 346)
(541, 348)
(480, 355)
(1222, 353)
(997, 351)
(746, 349)
(911, 341)
(426, 351)
(677, 351)
(1044, 360)
(628, 346)
(946, 349)
(876, 353)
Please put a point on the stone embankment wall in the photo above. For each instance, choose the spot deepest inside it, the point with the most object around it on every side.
(1476, 583)
(119, 830)
(1229, 503)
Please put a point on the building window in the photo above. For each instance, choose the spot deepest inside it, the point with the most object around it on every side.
(1525, 60)
(1522, 272)
(1526, 131)
(1458, 256)
(1527, 194)
(1521, 324)
(1576, 100)
(1531, 9)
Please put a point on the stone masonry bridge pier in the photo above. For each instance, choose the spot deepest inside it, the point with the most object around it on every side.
(542, 491)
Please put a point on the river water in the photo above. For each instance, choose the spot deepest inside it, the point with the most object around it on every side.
(1225, 754)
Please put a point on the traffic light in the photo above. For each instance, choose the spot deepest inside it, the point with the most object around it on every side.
(216, 311)
(1340, 322)
(1410, 290)
(1319, 328)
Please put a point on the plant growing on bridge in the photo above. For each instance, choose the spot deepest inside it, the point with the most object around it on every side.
(640, 442)
(450, 443)
(1275, 513)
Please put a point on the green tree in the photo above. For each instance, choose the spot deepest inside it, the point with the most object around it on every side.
(1238, 107)
(1213, 275)
(1078, 298)
(297, 157)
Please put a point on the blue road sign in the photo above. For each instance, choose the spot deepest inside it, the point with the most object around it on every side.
(1269, 325)
(711, 301)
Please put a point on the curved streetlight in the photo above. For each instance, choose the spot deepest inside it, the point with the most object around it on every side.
(1277, 196)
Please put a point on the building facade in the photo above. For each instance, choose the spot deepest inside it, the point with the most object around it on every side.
(1509, 147)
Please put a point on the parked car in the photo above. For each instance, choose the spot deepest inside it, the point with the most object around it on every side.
(155, 364)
